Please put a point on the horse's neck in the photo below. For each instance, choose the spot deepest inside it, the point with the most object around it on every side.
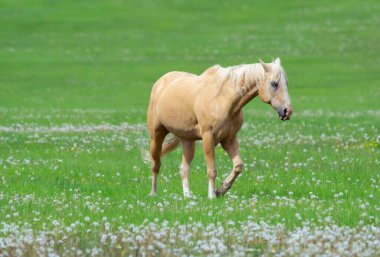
(248, 84)
(241, 101)
(238, 87)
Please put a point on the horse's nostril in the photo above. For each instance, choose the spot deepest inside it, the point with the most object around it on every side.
(285, 111)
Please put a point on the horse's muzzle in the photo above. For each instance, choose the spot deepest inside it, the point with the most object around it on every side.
(285, 115)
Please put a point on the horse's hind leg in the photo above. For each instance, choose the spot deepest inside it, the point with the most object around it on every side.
(188, 149)
(209, 153)
(231, 146)
(156, 140)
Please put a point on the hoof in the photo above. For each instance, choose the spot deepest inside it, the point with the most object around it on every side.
(152, 194)
(220, 192)
(212, 196)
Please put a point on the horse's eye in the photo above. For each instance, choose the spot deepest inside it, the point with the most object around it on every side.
(274, 84)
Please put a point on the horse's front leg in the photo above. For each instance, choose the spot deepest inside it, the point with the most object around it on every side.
(209, 152)
(232, 148)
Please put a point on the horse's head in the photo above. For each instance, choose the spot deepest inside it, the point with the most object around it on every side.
(274, 89)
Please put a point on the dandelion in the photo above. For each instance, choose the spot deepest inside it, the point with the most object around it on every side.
(103, 238)
(113, 239)
(107, 226)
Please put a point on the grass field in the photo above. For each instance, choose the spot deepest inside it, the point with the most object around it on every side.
(75, 79)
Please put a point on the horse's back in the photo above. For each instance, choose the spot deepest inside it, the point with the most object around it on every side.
(186, 80)
(175, 78)
(174, 85)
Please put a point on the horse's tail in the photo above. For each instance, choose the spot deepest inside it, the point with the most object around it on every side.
(169, 145)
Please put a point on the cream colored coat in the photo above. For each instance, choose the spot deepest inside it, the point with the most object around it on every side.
(208, 107)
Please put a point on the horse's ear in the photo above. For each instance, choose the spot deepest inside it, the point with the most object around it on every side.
(277, 61)
(266, 66)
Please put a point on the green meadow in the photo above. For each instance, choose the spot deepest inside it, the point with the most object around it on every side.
(75, 80)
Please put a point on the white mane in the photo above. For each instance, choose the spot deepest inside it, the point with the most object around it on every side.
(242, 77)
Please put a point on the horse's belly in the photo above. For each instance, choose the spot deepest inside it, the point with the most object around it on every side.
(175, 112)
(183, 130)
(187, 134)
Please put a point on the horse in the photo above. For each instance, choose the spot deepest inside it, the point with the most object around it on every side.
(208, 107)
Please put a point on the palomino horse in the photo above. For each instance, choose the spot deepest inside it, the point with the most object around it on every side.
(208, 107)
